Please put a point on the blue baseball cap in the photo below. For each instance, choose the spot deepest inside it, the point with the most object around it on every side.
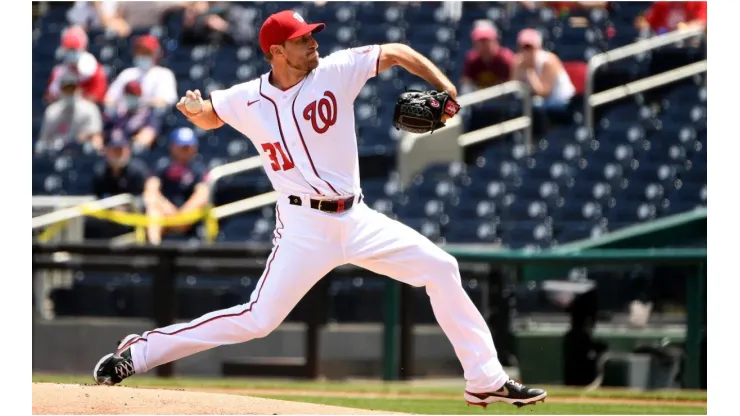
(116, 138)
(184, 136)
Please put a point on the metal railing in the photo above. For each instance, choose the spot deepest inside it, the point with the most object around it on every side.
(627, 51)
(645, 84)
(66, 214)
(228, 169)
(243, 205)
(248, 204)
(70, 219)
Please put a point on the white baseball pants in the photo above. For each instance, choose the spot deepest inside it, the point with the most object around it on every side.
(307, 245)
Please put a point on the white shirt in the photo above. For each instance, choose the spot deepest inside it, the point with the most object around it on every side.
(157, 82)
(305, 134)
(563, 89)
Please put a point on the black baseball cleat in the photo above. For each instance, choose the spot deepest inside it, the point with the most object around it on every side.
(115, 367)
(511, 392)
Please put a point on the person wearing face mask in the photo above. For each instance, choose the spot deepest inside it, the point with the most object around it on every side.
(77, 61)
(71, 118)
(158, 84)
(117, 173)
(179, 187)
(134, 119)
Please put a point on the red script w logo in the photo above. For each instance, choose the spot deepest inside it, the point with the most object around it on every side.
(325, 110)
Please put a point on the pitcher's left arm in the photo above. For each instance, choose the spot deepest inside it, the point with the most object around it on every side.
(392, 54)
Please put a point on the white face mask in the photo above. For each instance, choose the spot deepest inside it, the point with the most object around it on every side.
(72, 56)
(143, 62)
(68, 98)
(132, 102)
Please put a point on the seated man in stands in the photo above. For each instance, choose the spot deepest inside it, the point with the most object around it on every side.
(134, 119)
(72, 118)
(488, 63)
(179, 187)
(158, 85)
(118, 173)
(79, 62)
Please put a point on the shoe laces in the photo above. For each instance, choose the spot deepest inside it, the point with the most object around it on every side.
(125, 368)
(516, 384)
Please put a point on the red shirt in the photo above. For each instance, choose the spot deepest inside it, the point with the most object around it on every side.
(668, 14)
(488, 73)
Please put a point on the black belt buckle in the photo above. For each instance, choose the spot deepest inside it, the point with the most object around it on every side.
(334, 206)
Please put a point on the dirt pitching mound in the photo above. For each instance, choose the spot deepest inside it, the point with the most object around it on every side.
(75, 399)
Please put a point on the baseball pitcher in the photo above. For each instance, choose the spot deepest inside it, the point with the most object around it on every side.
(300, 117)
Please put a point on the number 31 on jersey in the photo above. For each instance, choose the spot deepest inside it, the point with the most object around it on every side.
(272, 150)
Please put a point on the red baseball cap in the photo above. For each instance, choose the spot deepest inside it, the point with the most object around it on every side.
(283, 26)
(133, 88)
(74, 38)
(484, 32)
(148, 42)
(529, 37)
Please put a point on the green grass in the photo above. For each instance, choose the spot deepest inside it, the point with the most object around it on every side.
(458, 407)
(366, 387)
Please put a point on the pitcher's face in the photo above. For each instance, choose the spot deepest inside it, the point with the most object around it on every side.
(302, 53)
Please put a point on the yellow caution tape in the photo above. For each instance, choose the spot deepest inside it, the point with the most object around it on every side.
(51, 231)
(141, 221)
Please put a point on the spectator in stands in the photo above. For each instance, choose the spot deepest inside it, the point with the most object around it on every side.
(76, 60)
(543, 71)
(203, 24)
(121, 17)
(134, 120)
(488, 63)
(72, 118)
(179, 187)
(118, 173)
(667, 16)
(217, 22)
(158, 85)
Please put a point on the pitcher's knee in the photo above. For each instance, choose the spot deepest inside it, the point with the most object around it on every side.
(446, 267)
(262, 326)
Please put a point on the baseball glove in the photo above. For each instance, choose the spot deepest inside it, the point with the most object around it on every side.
(422, 111)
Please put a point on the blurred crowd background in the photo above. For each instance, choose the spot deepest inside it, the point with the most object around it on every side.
(107, 74)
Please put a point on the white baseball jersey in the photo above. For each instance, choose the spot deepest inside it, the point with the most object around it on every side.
(306, 133)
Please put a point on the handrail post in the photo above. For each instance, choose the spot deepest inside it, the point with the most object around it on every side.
(406, 360)
(695, 306)
(528, 138)
(163, 297)
(588, 114)
(390, 330)
(315, 320)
